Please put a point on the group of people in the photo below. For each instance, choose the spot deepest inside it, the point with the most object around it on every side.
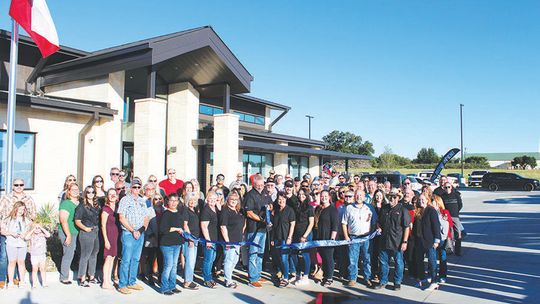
(148, 230)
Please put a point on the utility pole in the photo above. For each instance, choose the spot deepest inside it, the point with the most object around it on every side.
(461, 126)
(309, 118)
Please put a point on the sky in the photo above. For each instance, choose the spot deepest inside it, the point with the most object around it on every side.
(393, 72)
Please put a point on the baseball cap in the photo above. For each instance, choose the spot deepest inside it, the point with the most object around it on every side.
(289, 184)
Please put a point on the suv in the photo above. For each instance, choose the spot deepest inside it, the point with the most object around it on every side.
(395, 179)
(508, 181)
(475, 178)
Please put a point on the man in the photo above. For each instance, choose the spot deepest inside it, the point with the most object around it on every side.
(453, 203)
(239, 181)
(356, 179)
(393, 223)
(316, 186)
(387, 187)
(120, 188)
(440, 190)
(280, 186)
(272, 174)
(356, 223)
(371, 188)
(342, 180)
(297, 185)
(342, 252)
(220, 179)
(256, 203)
(270, 189)
(114, 175)
(288, 177)
(335, 178)
(171, 184)
(122, 177)
(6, 206)
(292, 200)
(134, 217)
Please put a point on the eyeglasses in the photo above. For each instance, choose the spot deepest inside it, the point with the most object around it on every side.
(158, 199)
(448, 187)
(115, 173)
(220, 194)
(90, 192)
(170, 173)
(18, 185)
(99, 181)
(136, 187)
(152, 180)
(349, 196)
(122, 175)
(220, 178)
(118, 189)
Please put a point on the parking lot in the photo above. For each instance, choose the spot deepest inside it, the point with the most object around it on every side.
(501, 264)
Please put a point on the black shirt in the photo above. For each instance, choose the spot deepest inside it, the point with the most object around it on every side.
(281, 223)
(393, 222)
(234, 221)
(168, 220)
(256, 202)
(207, 215)
(452, 202)
(293, 202)
(88, 215)
(303, 213)
(192, 218)
(328, 222)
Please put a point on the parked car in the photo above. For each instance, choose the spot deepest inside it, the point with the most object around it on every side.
(460, 180)
(508, 181)
(475, 178)
(425, 174)
(395, 179)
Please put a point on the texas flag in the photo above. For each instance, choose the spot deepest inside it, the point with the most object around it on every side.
(35, 18)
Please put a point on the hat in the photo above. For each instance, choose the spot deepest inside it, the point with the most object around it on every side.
(270, 180)
(289, 184)
(136, 181)
(393, 192)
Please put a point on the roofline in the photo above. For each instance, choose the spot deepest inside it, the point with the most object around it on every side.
(27, 40)
(283, 137)
(301, 150)
(264, 102)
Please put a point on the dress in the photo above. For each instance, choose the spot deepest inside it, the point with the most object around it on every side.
(112, 232)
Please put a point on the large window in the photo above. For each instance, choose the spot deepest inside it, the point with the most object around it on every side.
(298, 165)
(254, 162)
(23, 154)
(245, 117)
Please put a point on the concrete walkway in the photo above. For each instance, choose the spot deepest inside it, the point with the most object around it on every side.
(500, 265)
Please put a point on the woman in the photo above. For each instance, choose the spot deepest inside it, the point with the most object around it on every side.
(188, 188)
(209, 230)
(232, 227)
(191, 225)
(170, 240)
(197, 189)
(327, 227)
(314, 254)
(427, 236)
(15, 227)
(109, 231)
(283, 222)
(70, 179)
(446, 235)
(87, 220)
(97, 183)
(379, 200)
(217, 267)
(305, 220)
(67, 232)
(151, 259)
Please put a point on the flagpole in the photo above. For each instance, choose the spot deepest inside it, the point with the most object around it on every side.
(12, 95)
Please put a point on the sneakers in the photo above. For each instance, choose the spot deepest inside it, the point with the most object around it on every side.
(255, 284)
(176, 290)
(168, 293)
(432, 287)
(231, 285)
(380, 286)
(135, 287)
(327, 283)
(292, 279)
(124, 290)
(397, 287)
(302, 281)
(442, 280)
(283, 283)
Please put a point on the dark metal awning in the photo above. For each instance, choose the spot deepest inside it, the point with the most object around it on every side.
(259, 146)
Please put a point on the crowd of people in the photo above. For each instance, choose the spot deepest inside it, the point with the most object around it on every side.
(154, 230)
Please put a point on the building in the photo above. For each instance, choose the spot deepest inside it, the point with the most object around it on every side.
(504, 160)
(178, 100)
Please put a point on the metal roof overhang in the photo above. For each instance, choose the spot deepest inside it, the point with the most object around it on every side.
(281, 137)
(197, 55)
(259, 146)
(81, 107)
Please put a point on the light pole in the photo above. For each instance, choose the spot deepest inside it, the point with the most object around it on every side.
(309, 118)
(461, 126)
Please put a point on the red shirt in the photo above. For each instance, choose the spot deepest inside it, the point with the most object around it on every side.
(339, 203)
(170, 187)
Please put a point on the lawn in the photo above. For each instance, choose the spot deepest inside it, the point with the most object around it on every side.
(524, 173)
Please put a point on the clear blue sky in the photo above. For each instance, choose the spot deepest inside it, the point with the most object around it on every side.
(393, 72)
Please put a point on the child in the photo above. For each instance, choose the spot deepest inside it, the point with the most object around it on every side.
(15, 230)
(38, 248)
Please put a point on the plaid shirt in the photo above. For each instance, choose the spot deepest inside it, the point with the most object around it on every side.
(134, 209)
(7, 201)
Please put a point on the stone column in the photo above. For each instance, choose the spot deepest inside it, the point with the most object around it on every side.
(149, 137)
(226, 153)
(314, 167)
(182, 129)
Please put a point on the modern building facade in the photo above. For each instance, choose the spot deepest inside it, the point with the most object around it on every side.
(179, 100)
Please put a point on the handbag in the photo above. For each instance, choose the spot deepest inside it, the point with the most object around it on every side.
(449, 246)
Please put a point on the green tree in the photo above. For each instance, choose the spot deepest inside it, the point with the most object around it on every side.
(480, 161)
(524, 161)
(427, 156)
(347, 142)
(389, 160)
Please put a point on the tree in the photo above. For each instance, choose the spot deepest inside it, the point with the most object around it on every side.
(427, 156)
(524, 161)
(347, 142)
(479, 161)
(389, 160)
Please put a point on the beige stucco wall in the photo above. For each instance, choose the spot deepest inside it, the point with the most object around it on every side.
(314, 167)
(227, 156)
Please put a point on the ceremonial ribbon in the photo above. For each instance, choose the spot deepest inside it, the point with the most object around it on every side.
(191, 237)
(328, 243)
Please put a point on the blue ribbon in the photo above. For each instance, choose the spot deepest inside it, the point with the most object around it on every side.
(328, 243)
(191, 237)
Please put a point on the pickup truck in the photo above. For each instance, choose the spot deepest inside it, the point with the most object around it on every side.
(475, 178)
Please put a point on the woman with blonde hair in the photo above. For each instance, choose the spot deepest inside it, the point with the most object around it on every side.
(191, 225)
(15, 228)
(70, 179)
(446, 235)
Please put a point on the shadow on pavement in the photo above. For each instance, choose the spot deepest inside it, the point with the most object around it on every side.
(530, 199)
(247, 299)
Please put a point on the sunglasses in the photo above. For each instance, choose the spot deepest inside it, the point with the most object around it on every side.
(90, 192)
(152, 180)
(115, 173)
(118, 189)
(220, 194)
(171, 173)
(136, 187)
(158, 199)
(448, 187)
(122, 175)
(99, 181)
(349, 196)
(18, 185)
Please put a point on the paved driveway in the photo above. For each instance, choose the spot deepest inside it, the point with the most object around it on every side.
(501, 263)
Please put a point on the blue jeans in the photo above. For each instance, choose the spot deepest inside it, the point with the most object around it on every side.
(256, 255)
(170, 267)
(190, 255)
(305, 256)
(231, 259)
(284, 259)
(131, 254)
(209, 257)
(384, 257)
(3, 259)
(432, 263)
(443, 266)
(355, 250)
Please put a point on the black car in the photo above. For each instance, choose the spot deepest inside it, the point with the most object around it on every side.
(508, 181)
(395, 179)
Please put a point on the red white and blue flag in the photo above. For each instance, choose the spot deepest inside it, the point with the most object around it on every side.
(34, 17)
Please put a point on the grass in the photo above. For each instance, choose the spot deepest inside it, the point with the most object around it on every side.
(525, 173)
